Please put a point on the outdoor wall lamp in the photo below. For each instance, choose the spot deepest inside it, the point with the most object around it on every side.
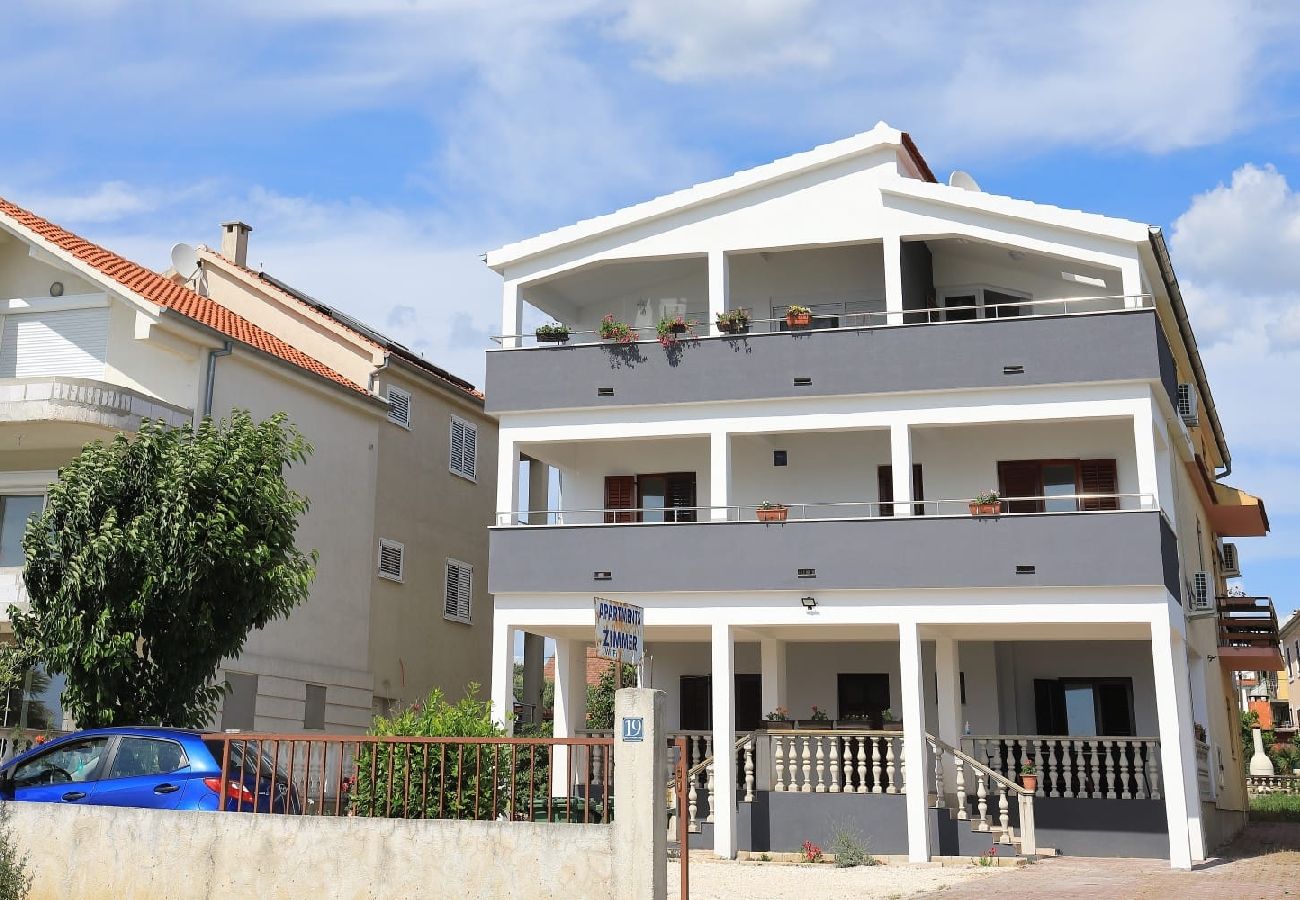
(808, 602)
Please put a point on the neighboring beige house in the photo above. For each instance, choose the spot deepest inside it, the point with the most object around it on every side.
(91, 343)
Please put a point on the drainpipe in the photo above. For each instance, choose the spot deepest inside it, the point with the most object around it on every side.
(210, 385)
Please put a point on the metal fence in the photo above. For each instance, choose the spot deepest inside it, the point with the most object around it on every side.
(470, 778)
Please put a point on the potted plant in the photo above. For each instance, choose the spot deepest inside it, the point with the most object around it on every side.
(770, 511)
(1029, 777)
(618, 332)
(554, 333)
(778, 718)
(670, 327)
(986, 503)
(853, 722)
(798, 316)
(889, 723)
(734, 321)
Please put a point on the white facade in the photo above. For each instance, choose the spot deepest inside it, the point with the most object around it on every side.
(857, 231)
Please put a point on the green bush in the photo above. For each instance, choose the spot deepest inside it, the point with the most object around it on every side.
(850, 849)
(15, 878)
(1275, 807)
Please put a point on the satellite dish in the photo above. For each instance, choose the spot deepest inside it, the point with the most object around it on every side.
(185, 260)
(963, 180)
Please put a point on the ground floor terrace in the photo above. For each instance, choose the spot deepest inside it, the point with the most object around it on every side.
(909, 717)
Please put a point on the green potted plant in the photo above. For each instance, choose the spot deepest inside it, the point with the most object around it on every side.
(771, 511)
(735, 321)
(1029, 777)
(619, 332)
(778, 718)
(554, 333)
(670, 327)
(986, 503)
(798, 316)
(889, 723)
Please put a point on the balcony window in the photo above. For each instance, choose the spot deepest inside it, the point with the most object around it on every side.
(1084, 707)
(668, 497)
(15, 511)
(1053, 483)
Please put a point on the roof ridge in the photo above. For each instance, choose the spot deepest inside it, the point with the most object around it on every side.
(157, 288)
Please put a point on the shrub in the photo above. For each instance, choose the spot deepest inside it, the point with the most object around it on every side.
(850, 850)
(811, 852)
(1275, 807)
(15, 878)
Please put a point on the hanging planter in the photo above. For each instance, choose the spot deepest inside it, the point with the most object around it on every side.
(986, 504)
(735, 321)
(554, 333)
(772, 512)
(798, 316)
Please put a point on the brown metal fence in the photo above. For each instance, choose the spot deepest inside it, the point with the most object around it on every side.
(471, 778)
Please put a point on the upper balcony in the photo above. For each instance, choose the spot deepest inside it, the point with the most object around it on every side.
(968, 315)
(1248, 634)
(57, 412)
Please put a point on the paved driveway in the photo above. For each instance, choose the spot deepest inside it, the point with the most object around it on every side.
(1263, 863)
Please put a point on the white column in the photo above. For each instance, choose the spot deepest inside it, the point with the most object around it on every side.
(913, 692)
(900, 451)
(1130, 274)
(719, 475)
(570, 715)
(1177, 748)
(947, 665)
(1144, 446)
(507, 480)
(772, 665)
(724, 736)
(512, 313)
(534, 665)
(893, 253)
(718, 288)
(503, 673)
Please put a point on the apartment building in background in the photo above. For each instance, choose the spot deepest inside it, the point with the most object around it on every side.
(852, 354)
(91, 344)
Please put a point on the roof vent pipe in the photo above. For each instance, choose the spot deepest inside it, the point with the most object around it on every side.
(234, 242)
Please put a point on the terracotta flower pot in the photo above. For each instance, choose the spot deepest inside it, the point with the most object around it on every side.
(773, 513)
(1029, 782)
(798, 320)
(986, 509)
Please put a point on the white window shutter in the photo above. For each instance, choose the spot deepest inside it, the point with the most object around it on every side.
(72, 343)
(458, 599)
(464, 449)
(391, 560)
(399, 406)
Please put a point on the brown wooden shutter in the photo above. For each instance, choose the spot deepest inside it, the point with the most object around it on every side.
(620, 493)
(918, 490)
(1021, 478)
(1098, 476)
(885, 487)
(681, 496)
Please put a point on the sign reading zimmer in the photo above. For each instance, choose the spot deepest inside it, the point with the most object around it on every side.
(620, 631)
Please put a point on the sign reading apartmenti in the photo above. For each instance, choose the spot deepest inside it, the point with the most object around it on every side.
(620, 631)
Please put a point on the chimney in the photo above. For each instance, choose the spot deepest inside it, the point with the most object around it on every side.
(234, 242)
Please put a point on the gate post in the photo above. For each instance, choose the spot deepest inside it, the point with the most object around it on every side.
(640, 829)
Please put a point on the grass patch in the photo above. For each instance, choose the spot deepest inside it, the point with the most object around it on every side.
(1275, 807)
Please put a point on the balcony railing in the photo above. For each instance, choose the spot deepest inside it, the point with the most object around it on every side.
(827, 511)
(1248, 633)
(1064, 306)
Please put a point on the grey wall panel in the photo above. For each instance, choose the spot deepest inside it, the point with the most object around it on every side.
(1051, 350)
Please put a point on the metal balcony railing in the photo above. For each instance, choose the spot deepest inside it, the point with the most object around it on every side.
(1248, 622)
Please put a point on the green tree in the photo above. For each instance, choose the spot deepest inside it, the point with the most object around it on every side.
(154, 558)
(600, 698)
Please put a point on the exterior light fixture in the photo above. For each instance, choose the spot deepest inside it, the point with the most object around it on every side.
(808, 602)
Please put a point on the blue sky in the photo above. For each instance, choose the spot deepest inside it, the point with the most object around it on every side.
(406, 137)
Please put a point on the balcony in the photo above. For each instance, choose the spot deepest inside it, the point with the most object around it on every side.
(856, 550)
(1043, 342)
(79, 408)
(1248, 635)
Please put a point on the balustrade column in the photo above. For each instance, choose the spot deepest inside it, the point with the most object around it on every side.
(749, 770)
(805, 753)
(778, 761)
(862, 765)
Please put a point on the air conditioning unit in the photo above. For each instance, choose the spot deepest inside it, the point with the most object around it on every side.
(1187, 405)
(1228, 564)
(1201, 599)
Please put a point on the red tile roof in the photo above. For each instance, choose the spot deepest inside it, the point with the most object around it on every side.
(157, 289)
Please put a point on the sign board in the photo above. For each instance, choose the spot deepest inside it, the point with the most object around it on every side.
(620, 631)
(633, 729)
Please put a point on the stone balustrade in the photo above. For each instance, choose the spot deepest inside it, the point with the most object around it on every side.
(1124, 768)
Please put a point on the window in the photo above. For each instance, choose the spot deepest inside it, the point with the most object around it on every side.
(15, 510)
(1084, 707)
(137, 757)
(391, 559)
(1054, 482)
(240, 705)
(965, 303)
(885, 487)
(666, 497)
(75, 762)
(464, 444)
(399, 406)
(459, 599)
(313, 715)
(862, 696)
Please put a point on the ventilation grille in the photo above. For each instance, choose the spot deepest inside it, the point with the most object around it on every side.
(803, 381)
(1013, 370)
(399, 407)
(1187, 405)
(604, 392)
(1026, 570)
(1228, 559)
(1201, 600)
(807, 573)
(601, 576)
(391, 557)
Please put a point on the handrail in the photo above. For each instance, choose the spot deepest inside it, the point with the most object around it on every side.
(1146, 302)
(703, 764)
(1055, 737)
(983, 767)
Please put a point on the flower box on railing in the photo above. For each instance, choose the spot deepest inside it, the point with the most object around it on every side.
(773, 513)
(986, 509)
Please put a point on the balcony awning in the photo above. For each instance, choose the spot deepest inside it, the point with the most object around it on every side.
(1236, 513)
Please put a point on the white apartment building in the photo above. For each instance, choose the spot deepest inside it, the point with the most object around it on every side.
(955, 343)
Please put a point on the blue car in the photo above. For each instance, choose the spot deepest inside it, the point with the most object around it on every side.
(150, 768)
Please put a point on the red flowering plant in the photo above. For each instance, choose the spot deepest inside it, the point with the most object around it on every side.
(618, 332)
(670, 327)
(811, 852)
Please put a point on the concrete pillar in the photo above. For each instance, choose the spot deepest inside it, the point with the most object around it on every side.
(503, 674)
(640, 825)
(724, 737)
(900, 454)
(570, 715)
(1177, 748)
(948, 669)
(719, 289)
(534, 662)
(914, 745)
(772, 666)
(507, 480)
(1130, 275)
(539, 490)
(719, 475)
(512, 313)
(1148, 483)
(892, 248)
